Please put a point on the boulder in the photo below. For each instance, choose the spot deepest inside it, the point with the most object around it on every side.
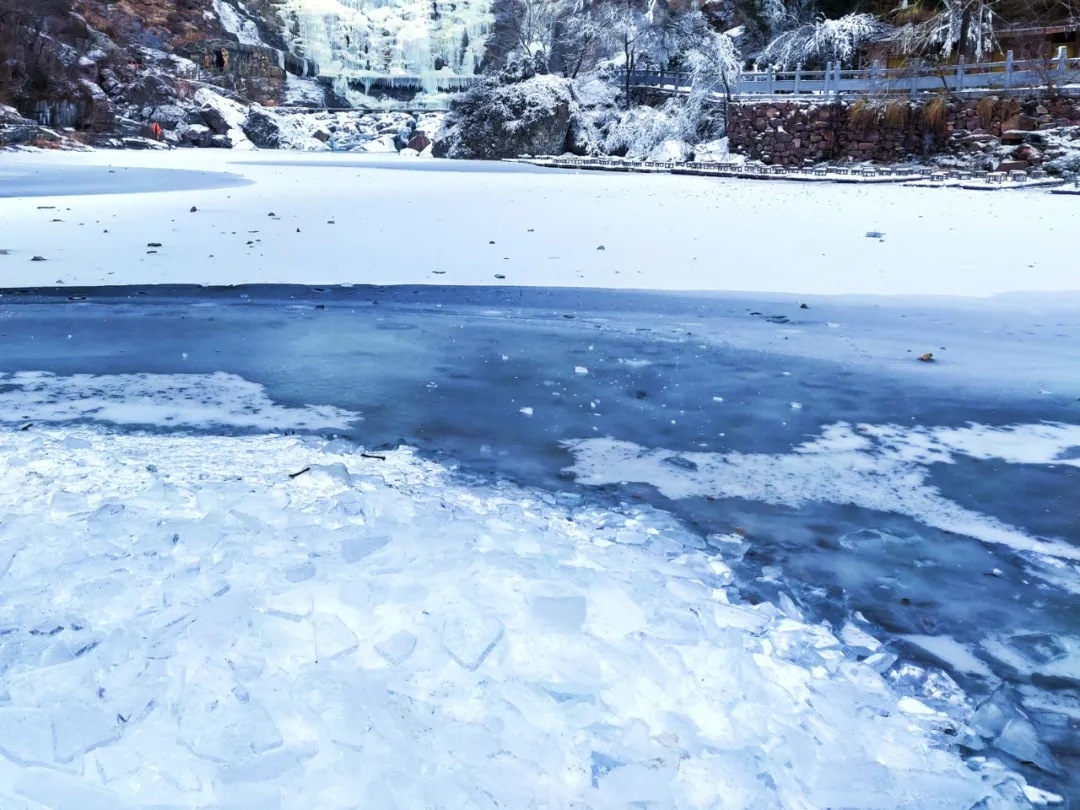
(492, 121)
(9, 116)
(170, 116)
(262, 130)
(214, 119)
(198, 135)
(149, 91)
(418, 142)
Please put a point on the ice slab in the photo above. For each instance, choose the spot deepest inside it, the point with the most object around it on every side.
(470, 640)
(398, 647)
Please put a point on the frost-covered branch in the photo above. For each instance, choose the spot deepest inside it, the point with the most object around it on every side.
(822, 41)
(629, 31)
(960, 26)
(713, 58)
(525, 29)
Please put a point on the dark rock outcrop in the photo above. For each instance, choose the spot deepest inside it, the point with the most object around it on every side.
(262, 130)
(214, 119)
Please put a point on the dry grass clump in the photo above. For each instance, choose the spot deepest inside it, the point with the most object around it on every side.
(934, 112)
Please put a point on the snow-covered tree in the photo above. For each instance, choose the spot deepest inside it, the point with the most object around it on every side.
(714, 64)
(581, 35)
(628, 28)
(526, 28)
(964, 27)
(822, 41)
(712, 56)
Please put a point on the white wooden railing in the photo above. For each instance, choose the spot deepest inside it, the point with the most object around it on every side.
(1059, 72)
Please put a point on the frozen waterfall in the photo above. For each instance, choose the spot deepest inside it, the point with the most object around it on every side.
(356, 38)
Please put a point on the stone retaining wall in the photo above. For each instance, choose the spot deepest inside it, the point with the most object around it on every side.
(795, 133)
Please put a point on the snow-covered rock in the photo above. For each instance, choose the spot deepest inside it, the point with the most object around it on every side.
(716, 152)
(222, 113)
(674, 150)
(384, 143)
(262, 129)
(496, 120)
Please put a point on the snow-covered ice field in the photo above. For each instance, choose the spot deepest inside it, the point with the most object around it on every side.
(481, 546)
(368, 220)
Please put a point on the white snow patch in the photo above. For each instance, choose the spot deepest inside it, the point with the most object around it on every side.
(671, 150)
(304, 92)
(162, 400)
(881, 467)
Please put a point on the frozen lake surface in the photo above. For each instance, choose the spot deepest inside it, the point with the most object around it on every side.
(343, 219)
(50, 180)
(472, 546)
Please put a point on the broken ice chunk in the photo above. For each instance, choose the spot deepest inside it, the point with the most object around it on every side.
(300, 573)
(993, 714)
(858, 640)
(1041, 797)
(221, 722)
(1038, 648)
(270, 765)
(354, 549)
(332, 637)
(67, 503)
(49, 788)
(565, 613)
(80, 727)
(398, 647)
(1020, 739)
(470, 640)
(26, 736)
(740, 618)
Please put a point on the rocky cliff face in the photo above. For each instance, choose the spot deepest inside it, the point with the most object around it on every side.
(241, 47)
(135, 72)
(100, 65)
